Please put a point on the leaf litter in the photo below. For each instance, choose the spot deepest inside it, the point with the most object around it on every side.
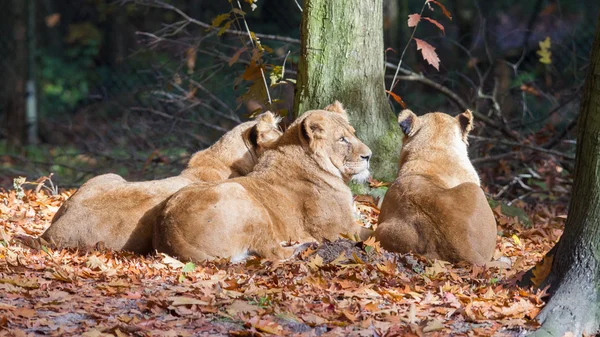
(340, 288)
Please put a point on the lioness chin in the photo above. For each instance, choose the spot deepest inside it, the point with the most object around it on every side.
(121, 214)
(297, 192)
(435, 206)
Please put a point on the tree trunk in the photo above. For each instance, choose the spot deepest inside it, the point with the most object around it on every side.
(15, 70)
(342, 58)
(575, 274)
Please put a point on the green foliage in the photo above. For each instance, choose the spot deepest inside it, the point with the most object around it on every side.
(65, 79)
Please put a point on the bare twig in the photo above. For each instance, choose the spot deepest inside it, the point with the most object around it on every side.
(404, 52)
(165, 115)
(556, 139)
(412, 76)
(262, 72)
(298, 4)
(160, 4)
(482, 160)
(527, 146)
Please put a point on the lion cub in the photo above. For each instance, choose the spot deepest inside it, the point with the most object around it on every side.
(297, 192)
(435, 206)
(121, 214)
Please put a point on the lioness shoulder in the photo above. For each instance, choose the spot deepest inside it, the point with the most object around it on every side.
(436, 207)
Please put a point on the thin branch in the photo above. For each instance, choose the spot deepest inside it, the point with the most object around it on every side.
(482, 160)
(527, 146)
(165, 115)
(160, 4)
(298, 4)
(556, 139)
(262, 71)
(404, 52)
(412, 76)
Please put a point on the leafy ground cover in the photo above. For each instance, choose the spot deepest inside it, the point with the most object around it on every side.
(341, 288)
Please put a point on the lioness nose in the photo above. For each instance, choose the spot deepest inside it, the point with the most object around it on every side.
(366, 157)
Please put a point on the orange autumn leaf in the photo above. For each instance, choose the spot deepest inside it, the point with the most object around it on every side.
(444, 10)
(542, 270)
(397, 99)
(437, 24)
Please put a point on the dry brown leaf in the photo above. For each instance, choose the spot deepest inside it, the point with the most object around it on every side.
(428, 53)
(413, 20)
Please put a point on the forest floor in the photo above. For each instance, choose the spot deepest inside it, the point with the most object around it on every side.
(341, 288)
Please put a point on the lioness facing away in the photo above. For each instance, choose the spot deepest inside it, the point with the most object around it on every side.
(121, 214)
(297, 192)
(435, 206)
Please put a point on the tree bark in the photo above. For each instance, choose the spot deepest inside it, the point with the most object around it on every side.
(575, 275)
(342, 59)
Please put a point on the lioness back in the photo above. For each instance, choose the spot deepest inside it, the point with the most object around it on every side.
(121, 214)
(436, 207)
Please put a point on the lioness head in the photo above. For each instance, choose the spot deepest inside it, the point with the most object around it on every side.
(331, 139)
(441, 127)
(241, 146)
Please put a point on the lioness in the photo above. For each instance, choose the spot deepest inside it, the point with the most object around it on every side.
(297, 192)
(121, 214)
(435, 206)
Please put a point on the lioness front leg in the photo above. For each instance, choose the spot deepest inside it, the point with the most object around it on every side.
(279, 252)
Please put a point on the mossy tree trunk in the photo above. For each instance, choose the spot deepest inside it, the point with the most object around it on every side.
(342, 58)
(574, 279)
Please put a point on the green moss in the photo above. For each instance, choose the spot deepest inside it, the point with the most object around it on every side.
(386, 152)
(359, 189)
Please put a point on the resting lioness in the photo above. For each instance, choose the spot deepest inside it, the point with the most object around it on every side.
(297, 192)
(435, 206)
(121, 214)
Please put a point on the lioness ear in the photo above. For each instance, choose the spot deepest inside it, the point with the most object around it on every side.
(337, 107)
(407, 120)
(465, 120)
(313, 127)
(266, 131)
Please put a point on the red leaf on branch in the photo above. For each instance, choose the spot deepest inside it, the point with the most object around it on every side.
(397, 99)
(236, 56)
(437, 24)
(413, 19)
(444, 10)
(428, 52)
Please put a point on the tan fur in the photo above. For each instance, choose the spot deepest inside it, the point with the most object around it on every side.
(297, 192)
(435, 206)
(121, 214)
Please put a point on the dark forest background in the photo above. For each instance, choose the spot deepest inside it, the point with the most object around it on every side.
(135, 87)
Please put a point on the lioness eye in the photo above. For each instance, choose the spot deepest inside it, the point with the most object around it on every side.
(343, 140)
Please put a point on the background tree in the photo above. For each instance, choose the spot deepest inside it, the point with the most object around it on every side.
(14, 70)
(342, 58)
(575, 275)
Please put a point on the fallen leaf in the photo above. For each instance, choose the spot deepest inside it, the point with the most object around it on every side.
(182, 300)
(433, 325)
(239, 306)
(316, 262)
(541, 270)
